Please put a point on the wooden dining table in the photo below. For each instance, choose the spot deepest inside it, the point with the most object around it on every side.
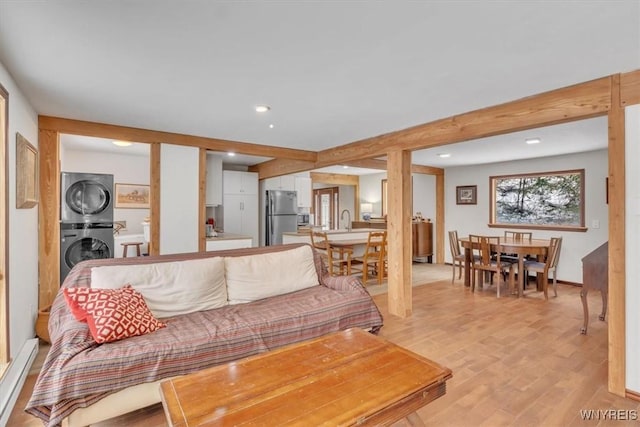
(341, 246)
(508, 245)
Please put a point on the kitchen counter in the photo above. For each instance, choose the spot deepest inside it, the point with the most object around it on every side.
(341, 234)
(224, 241)
(331, 232)
(228, 236)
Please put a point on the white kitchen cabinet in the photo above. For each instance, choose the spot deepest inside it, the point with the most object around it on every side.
(238, 182)
(241, 215)
(286, 183)
(213, 193)
(303, 188)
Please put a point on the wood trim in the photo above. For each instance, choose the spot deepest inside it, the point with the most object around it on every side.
(439, 219)
(581, 101)
(633, 395)
(154, 207)
(539, 227)
(5, 340)
(124, 133)
(617, 284)
(399, 232)
(202, 209)
(630, 88)
(49, 214)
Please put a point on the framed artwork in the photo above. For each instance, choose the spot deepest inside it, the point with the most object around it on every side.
(551, 200)
(466, 195)
(132, 196)
(26, 173)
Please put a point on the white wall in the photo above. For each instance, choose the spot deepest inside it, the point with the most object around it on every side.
(424, 193)
(125, 168)
(179, 190)
(23, 244)
(632, 173)
(473, 219)
(371, 191)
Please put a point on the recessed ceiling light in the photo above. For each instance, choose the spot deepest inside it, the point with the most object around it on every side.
(532, 140)
(444, 155)
(262, 108)
(271, 126)
(122, 143)
(231, 154)
(345, 167)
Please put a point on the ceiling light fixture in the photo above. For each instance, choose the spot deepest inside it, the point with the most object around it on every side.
(271, 126)
(231, 154)
(532, 140)
(444, 155)
(262, 108)
(121, 143)
(345, 167)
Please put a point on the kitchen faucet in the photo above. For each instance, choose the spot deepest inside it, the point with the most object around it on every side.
(348, 216)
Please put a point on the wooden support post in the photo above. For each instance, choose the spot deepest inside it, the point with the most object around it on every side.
(154, 209)
(399, 232)
(440, 219)
(617, 348)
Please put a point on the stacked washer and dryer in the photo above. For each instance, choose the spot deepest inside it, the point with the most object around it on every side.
(86, 226)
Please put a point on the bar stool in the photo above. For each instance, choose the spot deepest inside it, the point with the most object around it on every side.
(126, 246)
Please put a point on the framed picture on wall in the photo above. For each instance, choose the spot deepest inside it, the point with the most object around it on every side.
(466, 195)
(132, 196)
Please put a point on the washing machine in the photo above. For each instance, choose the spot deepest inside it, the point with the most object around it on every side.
(79, 242)
(86, 198)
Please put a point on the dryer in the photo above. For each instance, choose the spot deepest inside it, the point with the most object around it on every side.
(86, 198)
(79, 242)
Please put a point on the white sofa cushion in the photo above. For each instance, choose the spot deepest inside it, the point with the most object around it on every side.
(254, 277)
(170, 288)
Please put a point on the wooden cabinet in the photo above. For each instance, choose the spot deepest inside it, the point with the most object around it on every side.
(213, 192)
(238, 182)
(422, 233)
(380, 225)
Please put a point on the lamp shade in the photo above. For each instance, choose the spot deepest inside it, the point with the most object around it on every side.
(366, 207)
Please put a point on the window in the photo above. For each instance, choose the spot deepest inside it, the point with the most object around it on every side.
(549, 200)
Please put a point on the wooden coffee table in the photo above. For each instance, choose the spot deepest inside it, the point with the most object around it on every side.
(345, 378)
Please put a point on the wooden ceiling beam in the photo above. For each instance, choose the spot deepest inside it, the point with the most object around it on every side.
(125, 133)
(278, 167)
(335, 178)
(581, 101)
(630, 88)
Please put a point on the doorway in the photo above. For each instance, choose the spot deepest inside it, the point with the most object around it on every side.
(325, 207)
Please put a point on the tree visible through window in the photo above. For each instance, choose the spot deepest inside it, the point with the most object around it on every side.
(551, 199)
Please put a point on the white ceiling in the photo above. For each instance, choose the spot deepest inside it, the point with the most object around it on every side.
(332, 72)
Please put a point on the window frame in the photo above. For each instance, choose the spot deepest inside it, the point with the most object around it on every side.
(493, 199)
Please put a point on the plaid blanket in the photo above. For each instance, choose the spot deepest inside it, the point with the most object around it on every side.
(78, 372)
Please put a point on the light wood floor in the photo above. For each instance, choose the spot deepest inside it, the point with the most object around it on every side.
(515, 362)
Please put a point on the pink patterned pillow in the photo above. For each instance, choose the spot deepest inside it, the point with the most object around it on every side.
(112, 314)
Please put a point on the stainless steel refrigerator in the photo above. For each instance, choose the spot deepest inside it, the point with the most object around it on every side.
(281, 209)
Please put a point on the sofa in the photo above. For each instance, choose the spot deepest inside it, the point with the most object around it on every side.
(206, 309)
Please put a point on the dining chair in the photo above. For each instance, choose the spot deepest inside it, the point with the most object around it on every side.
(483, 262)
(374, 258)
(457, 257)
(517, 236)
(338, 262)
(549, 265)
